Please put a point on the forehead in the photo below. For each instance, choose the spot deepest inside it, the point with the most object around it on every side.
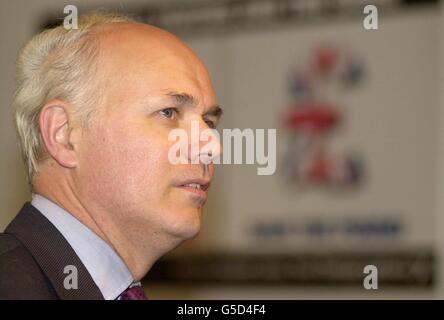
(141, 59)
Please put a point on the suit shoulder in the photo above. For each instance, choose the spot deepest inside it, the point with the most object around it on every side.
(20, 275)
(7, 243)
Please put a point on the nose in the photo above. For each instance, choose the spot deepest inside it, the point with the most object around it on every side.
(205, 144)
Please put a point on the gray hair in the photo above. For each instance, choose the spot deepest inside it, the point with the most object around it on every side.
(56, 64)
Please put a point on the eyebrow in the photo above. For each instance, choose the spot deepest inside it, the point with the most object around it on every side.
(183, 98)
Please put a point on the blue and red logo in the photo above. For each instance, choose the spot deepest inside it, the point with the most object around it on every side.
(314, 114)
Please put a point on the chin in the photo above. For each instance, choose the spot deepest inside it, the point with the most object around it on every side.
(186, 224)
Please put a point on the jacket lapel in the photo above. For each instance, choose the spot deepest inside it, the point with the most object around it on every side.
(53, 253)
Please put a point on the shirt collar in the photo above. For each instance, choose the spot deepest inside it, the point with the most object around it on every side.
(105, 266)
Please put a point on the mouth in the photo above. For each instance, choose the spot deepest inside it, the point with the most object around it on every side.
(197, 187)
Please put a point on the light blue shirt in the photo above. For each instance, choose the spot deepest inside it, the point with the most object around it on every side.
(105, 266)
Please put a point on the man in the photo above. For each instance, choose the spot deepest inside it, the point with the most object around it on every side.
(94, 108)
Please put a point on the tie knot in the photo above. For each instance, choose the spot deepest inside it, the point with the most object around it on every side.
(134, 292)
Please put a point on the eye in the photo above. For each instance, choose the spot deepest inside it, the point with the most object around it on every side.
(211, 124)
(169, 112)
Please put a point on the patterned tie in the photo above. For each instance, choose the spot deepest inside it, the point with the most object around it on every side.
(134, 292)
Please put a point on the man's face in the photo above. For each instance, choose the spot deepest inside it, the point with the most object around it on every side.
(124, 169)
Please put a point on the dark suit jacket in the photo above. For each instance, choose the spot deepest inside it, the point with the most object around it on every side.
(33, 257)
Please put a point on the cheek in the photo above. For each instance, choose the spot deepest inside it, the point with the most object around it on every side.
(127, 169)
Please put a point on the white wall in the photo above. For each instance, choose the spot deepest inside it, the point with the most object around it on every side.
(390, 119)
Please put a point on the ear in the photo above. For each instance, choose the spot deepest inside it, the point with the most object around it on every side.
(56, 127)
